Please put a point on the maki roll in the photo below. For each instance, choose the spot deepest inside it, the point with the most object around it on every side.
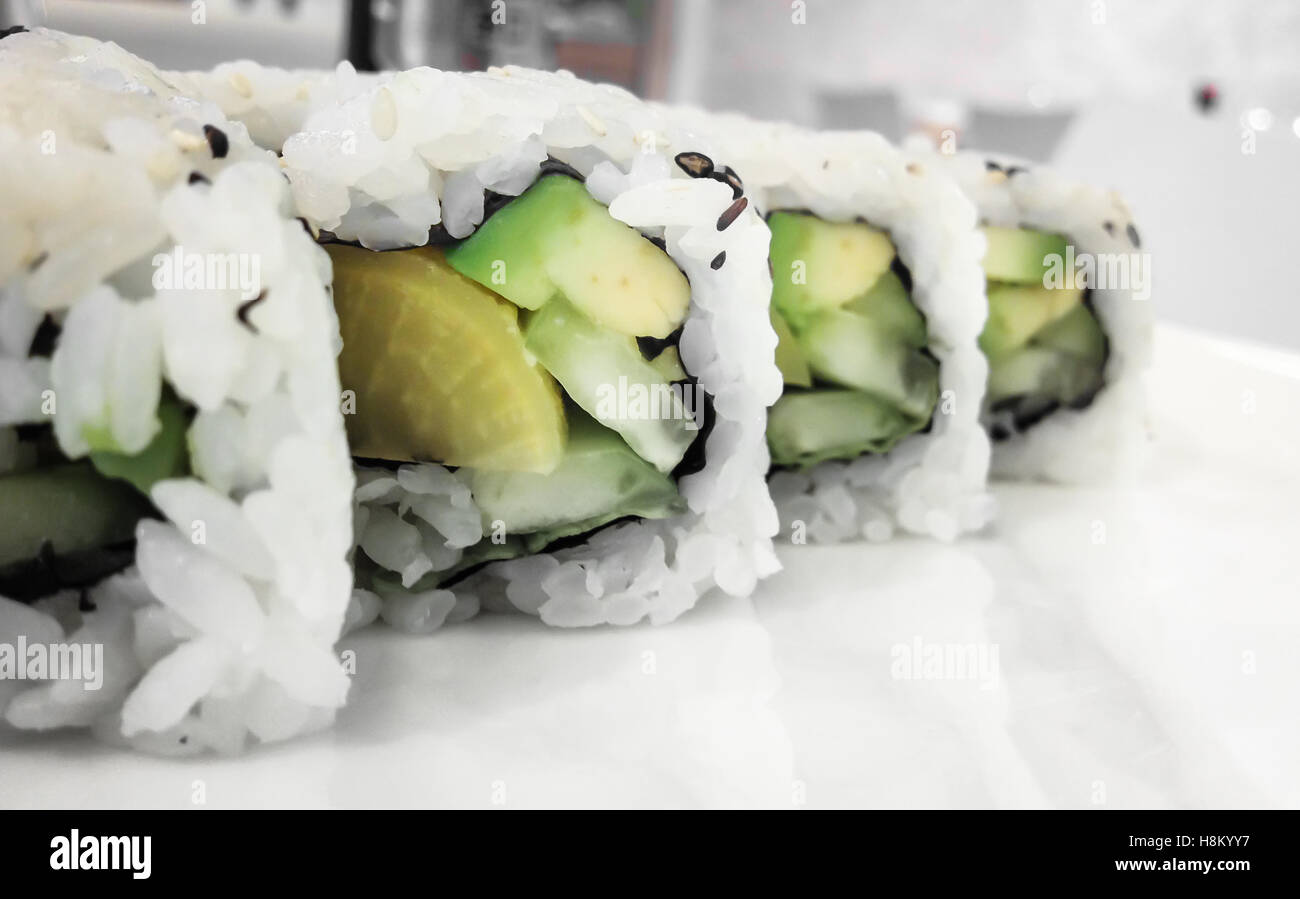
(556, 355)
(876, 302)
(175, 483)
(1070, 323)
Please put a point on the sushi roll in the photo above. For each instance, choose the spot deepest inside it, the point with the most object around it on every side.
(877, 305)
(175, 483)
(1070, 321)
(556, 354)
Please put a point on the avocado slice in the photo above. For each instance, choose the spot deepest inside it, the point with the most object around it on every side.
(555, 238)
(1017, 255)
(888, 304)
(821, 265)
(854, 351)
(789, 355)
(438, 366)
(806, 427)
(1017, 313)
(599, 480)
(604, 373)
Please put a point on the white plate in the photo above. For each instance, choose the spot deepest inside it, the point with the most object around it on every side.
(1138, 649)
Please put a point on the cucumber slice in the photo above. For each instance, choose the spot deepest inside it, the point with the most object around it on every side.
(556, 238)
(853, 351)
(888, 304)
(789, 355)
(1018, 313)
(1020, 255)
(599, 479)
(807, 427)
(68, 506)
(1042, 372)
(166, 455)
(598, 368)
(1077, 334)
(438, 367)
(822, 265)
(669, 365)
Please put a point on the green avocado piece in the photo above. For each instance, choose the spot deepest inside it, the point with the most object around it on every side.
(819, 265)
(606, 375)
(1021, 255)
(599, 479)
(888, 305)
(806, 427)
(851, 350)
(166, 456)
(69, 506)
(1017, 313)
(555, 238)
(789, 355)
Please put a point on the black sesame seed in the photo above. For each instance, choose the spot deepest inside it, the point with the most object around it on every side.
(718, 260)
(991, 166)
(1109, 228)
(1015, 170)
(16, 29)
(184, 740)
(198, 178)
(217, 140)
(1133, 236)
(38, 261)
(728, 176)
(697, 165)
(732, 213)
(245, 308)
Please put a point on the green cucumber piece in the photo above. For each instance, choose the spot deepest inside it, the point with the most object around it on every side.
(852, 351)
(599, 479)
(68, 506)
(1017, 313)
(1077, 334)
(888, 305)
(166, 456)
(596, 367)
(789, 355)
(810, 426)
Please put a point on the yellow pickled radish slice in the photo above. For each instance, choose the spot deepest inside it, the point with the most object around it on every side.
(438, 367)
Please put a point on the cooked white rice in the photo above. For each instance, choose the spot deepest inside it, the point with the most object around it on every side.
(1106, 440)
(388, 157)
(932, 483)
(214, 642)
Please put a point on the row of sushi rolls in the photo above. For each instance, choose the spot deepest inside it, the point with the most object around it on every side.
(285, 353)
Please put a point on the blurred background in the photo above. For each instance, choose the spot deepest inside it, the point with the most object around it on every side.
(1191, 108)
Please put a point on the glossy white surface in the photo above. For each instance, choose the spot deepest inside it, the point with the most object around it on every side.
(1139, 649)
